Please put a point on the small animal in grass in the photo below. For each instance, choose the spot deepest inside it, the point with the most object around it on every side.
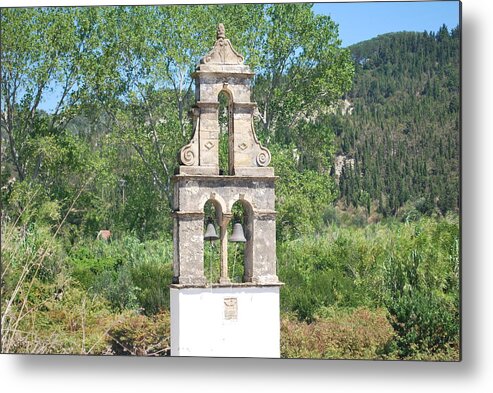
(58, 294)
(104, 234)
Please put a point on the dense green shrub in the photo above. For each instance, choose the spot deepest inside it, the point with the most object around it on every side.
(152, 278)
(422, 287)
(425, 323)
(59, 322)
(129, 273)
(77, 323)
(344, 334)
(86, 267)
(339, 286)
(32, 250)
(301, 195)
(334, 269)
(411, 269)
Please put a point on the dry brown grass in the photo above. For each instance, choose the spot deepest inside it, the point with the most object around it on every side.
(357, 334)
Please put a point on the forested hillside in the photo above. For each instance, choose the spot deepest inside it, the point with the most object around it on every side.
(398, 139)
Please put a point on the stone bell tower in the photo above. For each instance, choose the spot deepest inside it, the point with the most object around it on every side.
(224, 318)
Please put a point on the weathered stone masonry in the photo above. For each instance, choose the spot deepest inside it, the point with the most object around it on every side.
(250, 179)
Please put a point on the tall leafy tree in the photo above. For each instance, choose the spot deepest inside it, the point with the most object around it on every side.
(125, 73)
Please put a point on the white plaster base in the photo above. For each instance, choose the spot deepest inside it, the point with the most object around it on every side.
(200, 324)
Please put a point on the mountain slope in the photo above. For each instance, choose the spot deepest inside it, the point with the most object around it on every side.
(398, 140)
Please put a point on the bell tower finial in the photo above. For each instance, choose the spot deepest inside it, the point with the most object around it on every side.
(220, 31)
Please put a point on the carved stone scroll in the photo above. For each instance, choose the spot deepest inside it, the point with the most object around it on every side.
(263, 158)
(189, 154)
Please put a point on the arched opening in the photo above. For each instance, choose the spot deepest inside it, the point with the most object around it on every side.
(240, 243)
(212, 266)
(225, 119)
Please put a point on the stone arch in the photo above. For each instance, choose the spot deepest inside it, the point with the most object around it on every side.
(210, 250)
(216, 199)
(248, 228)
(245, 200)
(226, 88)
(225, 115)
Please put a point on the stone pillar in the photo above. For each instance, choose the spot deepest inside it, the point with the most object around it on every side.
(264, 248)
(176, 253)
(209, 135)
(226, 218)
(248, 228)
(190, 257)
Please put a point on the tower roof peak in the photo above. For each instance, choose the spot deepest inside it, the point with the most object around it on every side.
(222, 52)
(220, 31)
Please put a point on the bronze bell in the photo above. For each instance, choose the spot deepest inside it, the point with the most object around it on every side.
(238, 235)
(210, 233)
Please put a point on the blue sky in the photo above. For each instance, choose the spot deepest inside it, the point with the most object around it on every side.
(362, 21)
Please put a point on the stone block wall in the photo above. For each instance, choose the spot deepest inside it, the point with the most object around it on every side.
(257, 196)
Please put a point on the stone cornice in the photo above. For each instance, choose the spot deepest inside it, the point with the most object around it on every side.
(215, 104)
(224, 73)
(190, 214)
(228, 285)
(264, 215)
(182, 177)
(252, 105)
(207, 104)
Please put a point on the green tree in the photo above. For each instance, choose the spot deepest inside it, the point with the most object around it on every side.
(304, 71)
(127, 72)
(45, 51)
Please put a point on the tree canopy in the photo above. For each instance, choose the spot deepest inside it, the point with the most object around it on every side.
(119, 81)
